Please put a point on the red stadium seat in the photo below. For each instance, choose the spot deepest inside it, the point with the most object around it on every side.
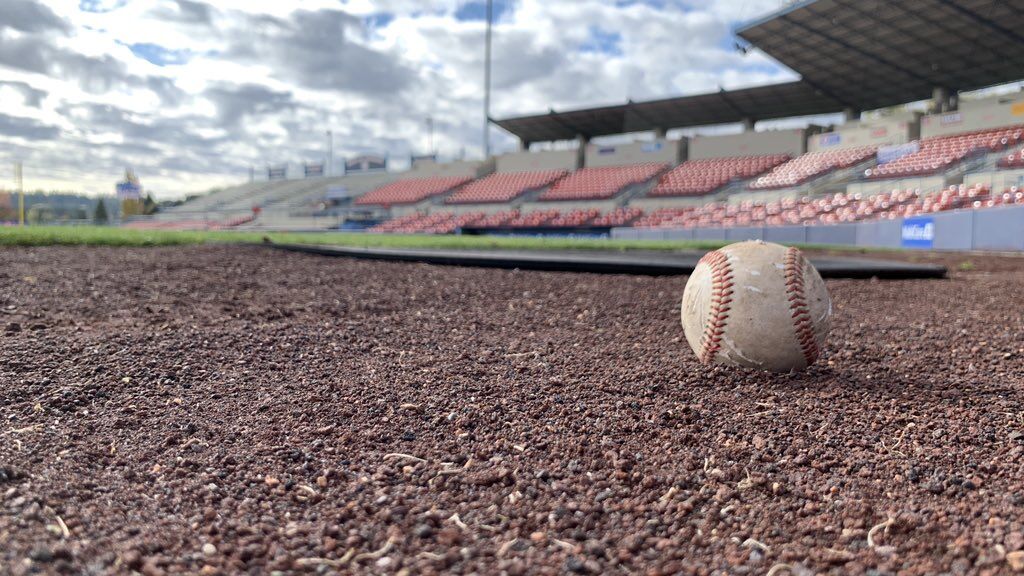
(704, 176)
(940, 153)
(411, 191)
(601, 183)
(504, 186)
(811, 165)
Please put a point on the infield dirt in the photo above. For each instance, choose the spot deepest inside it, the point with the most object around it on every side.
(232, 409)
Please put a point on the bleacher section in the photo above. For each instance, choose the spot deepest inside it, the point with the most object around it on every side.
(830, 209)
(504, 187)
(812, 165)
(940, 153)
(751, 190)
(700, 177)
(411, 191)
(600, 183)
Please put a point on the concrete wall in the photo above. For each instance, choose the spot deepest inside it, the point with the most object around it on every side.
(998, 180)
(882, 133)
(996, 112)
(925, 184)
(667, 151)
(986, 229)
(649, 204)
(465, 208)
(602, 205)
(765, 196)
(792, 142)
(534, 161)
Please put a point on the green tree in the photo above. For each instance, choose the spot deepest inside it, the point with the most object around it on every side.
(99, 216)
(149, 206)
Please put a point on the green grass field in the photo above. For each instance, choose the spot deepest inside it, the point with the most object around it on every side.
(110, 236)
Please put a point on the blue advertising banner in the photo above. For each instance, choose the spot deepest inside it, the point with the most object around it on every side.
(918, 232)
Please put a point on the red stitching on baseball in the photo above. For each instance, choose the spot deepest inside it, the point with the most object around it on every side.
(721, 300)
(803, 324)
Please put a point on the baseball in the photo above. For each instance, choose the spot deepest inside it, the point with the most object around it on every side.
(756, 305)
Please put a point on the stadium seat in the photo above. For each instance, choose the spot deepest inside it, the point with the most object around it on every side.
(411, 191)
(504, 186)
(1015, 160)
(942, 152)
(618, 217)
(704, 176)
(601, 183)
(830, 209)
(811, 165)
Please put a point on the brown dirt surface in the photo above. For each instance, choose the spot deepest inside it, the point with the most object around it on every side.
(238, 410)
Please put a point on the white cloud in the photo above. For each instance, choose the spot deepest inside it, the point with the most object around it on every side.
(191, 94)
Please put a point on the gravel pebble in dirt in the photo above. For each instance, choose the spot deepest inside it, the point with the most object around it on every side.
(217, 410)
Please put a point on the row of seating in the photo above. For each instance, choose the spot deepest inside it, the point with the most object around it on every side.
(1015, 160)
(504, 186)
(811, 165)
(601, 183)
(704, 176)
(446, 222)
(411, 190)
(939, 153)
(831, 209)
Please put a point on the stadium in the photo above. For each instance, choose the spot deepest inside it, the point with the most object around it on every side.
(478, 367)
(956, 164)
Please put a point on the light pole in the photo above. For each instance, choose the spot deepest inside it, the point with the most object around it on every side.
(487, 81)
(430, 135)
(21, 193)
(330, 154)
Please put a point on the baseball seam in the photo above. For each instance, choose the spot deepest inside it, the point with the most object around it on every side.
(803, 324)
(720, 303)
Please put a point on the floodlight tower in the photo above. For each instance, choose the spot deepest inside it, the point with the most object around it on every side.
(330, 154)
(487, 81)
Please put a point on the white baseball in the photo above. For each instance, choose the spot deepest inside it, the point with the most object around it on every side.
(756, 305)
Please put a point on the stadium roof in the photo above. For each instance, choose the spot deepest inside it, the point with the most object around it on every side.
(850, 54)
(760, 103)
(876, 53)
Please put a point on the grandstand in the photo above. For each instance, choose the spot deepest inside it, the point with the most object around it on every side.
(830, 209)
(939, 153)
(601, 183)
(504, 187)
(817, 175)
(411, 191)
(704, 176)
(812, 165)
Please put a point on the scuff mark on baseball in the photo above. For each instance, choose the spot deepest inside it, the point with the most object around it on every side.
(756, 305)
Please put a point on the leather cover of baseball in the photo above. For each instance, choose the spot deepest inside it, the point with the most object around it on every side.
(756, 305)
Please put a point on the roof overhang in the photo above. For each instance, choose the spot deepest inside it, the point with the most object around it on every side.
(850, 54)
(722, 107)
(878, 53)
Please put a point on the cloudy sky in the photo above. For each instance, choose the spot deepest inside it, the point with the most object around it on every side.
(192, 93)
